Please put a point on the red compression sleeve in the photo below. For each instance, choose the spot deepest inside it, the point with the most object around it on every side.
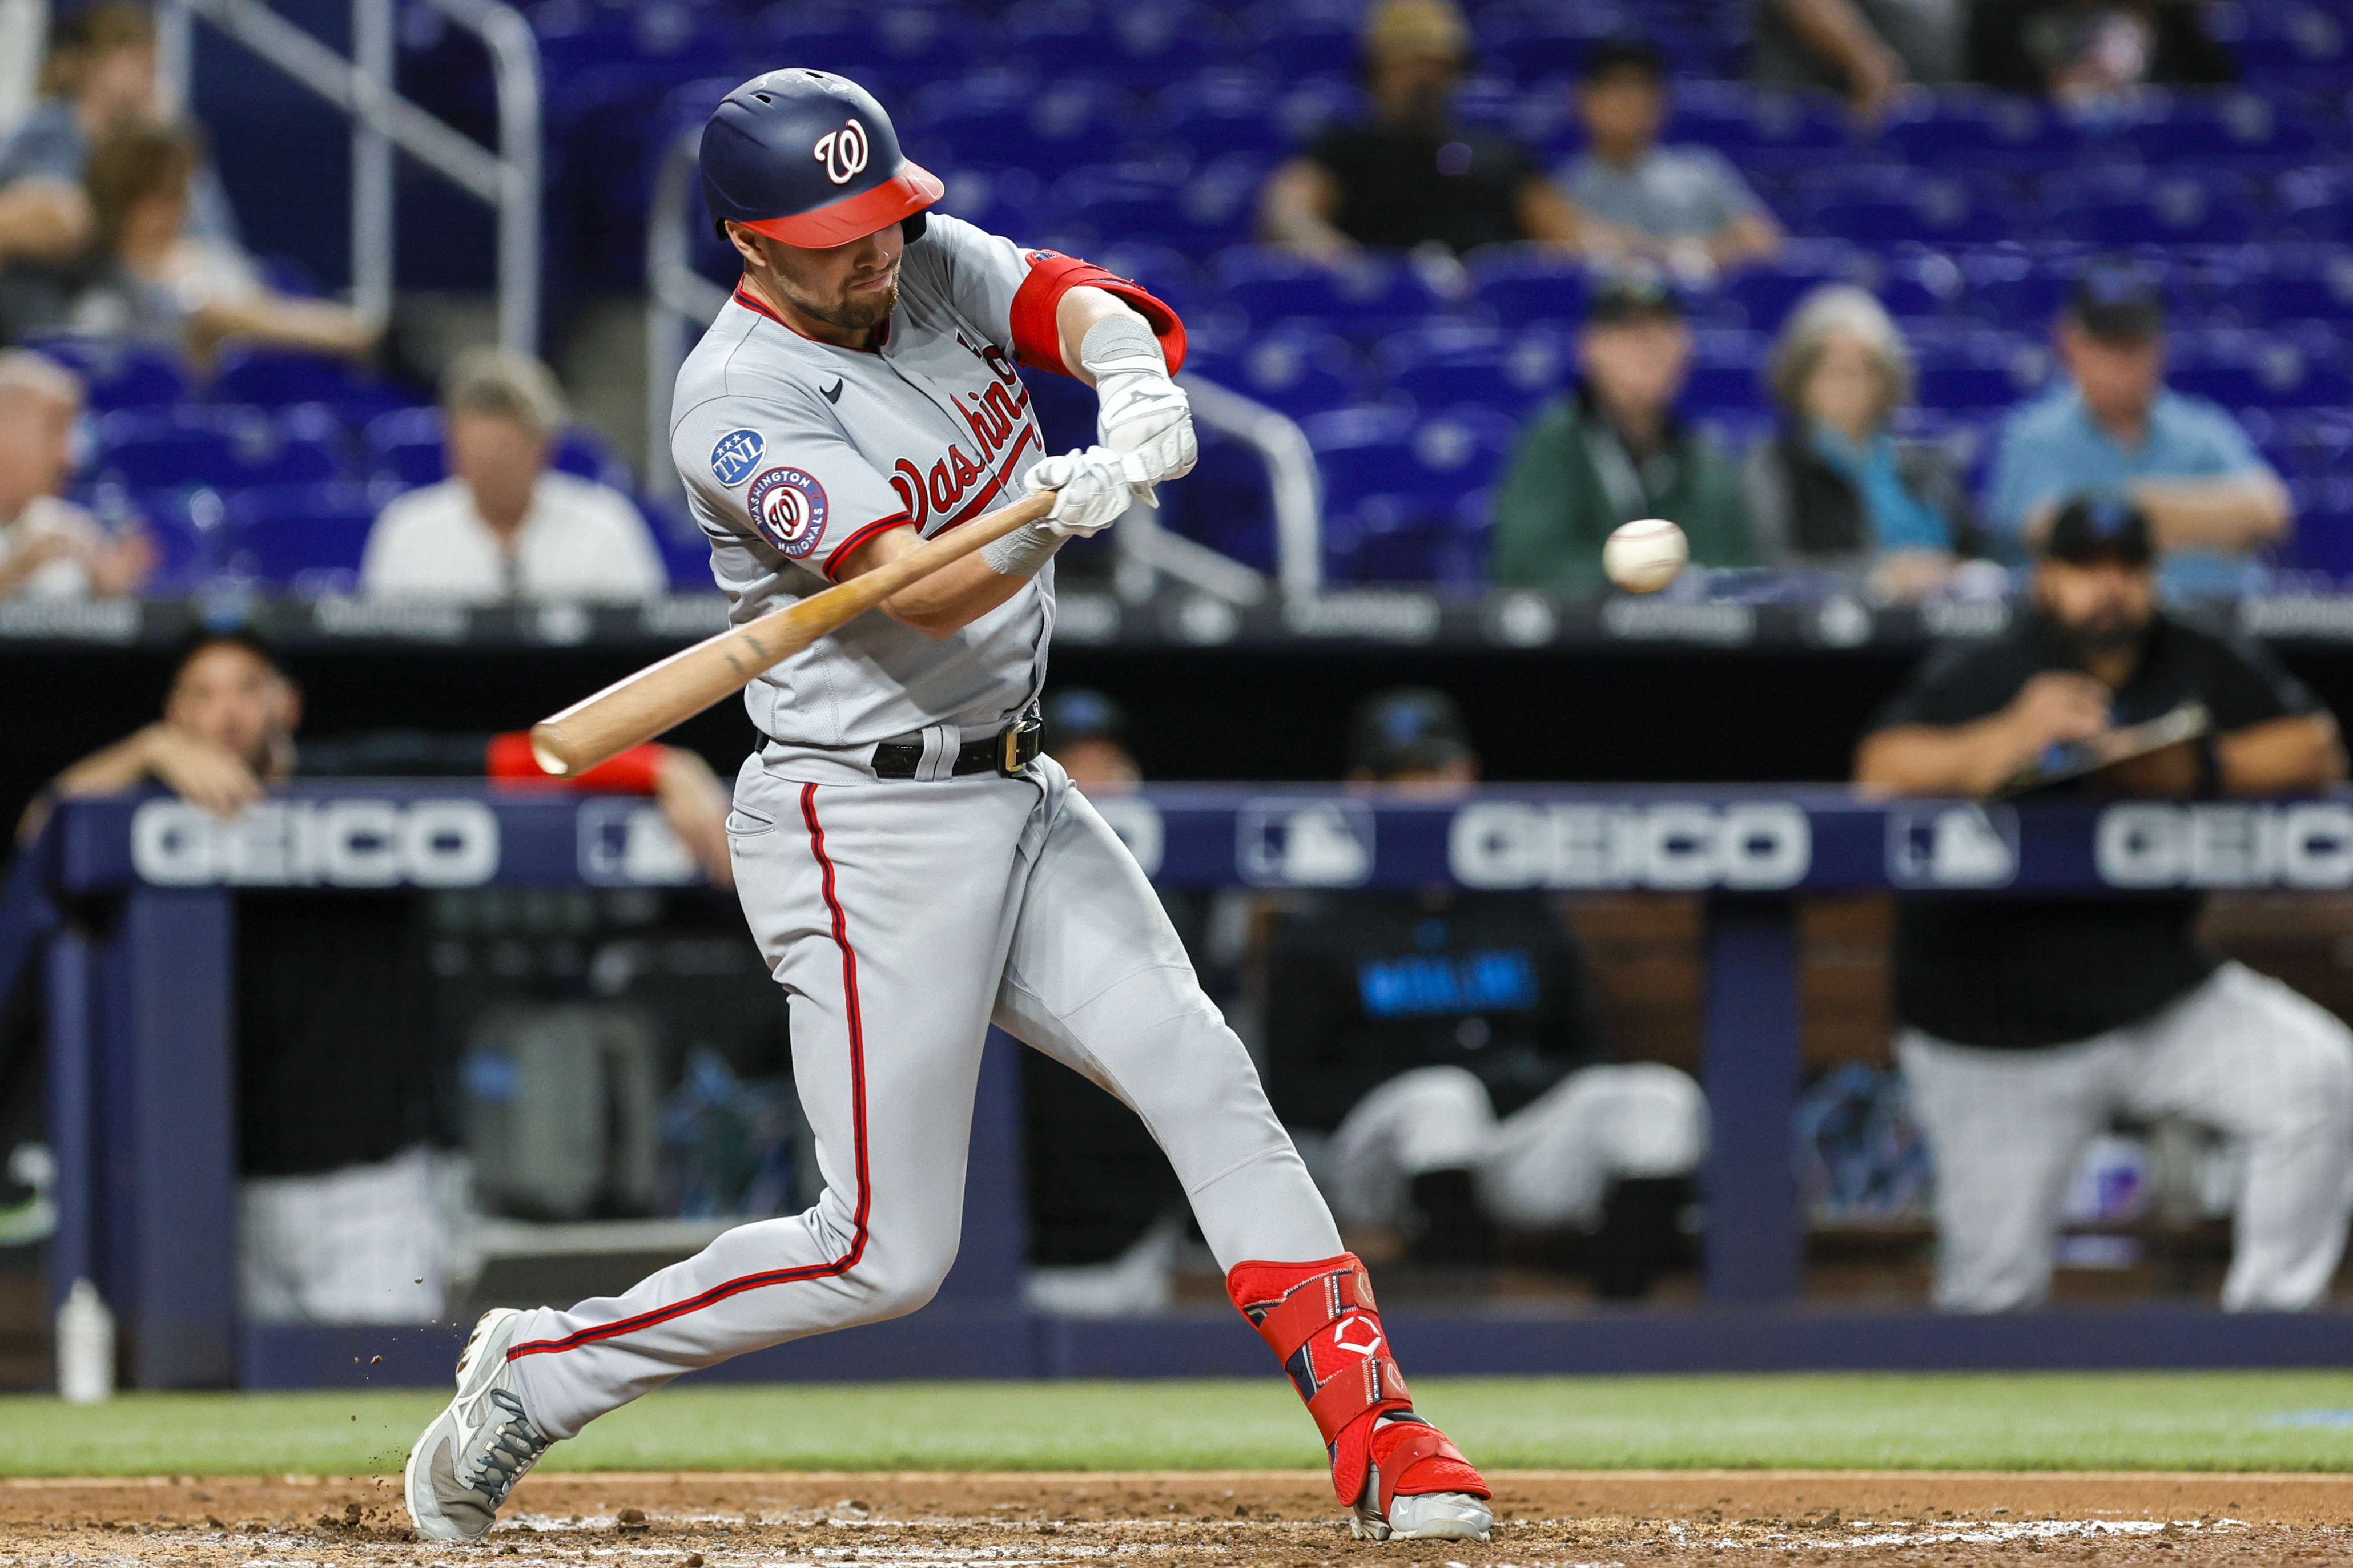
(1037, 340)
(633, 771)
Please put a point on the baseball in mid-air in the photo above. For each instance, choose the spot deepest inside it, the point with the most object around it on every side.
(1645, 556)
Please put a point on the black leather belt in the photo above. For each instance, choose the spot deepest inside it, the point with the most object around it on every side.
(1007, 751)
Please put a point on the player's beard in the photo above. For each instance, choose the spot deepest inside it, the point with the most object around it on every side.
(853, 314)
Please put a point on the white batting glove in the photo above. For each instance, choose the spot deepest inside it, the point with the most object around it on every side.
(1142, 414)
(1091, 488)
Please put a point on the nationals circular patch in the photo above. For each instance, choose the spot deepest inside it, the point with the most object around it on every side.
(788, 507)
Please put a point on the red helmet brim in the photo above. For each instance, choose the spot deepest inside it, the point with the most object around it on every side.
(903, 195)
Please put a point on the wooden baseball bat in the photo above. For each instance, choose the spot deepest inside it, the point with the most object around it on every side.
(637, 708)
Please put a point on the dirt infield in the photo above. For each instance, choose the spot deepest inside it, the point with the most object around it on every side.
(1193, 1520)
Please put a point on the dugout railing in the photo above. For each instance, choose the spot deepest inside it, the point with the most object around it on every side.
(139, 998)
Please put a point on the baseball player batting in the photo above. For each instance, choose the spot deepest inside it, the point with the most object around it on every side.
(914, 869)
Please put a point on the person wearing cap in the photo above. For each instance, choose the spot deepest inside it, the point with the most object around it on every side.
(2113, 425)
(504, 526)
(2027, 1023)
(1684, 206)
(1444, 1052)
(1612, 450)
(1086, 731)
(1411, 176)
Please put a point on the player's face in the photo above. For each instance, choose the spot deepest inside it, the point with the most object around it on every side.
(120, 84)
(1098, 766)
(854, 287)
(230, 695)
(1637, 367)
(2118, 380)
(2103, 605)
(1845, 389)
(1411, 85)
(35, 447)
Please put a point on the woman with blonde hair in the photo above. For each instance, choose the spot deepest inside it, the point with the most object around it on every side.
(1833, 488)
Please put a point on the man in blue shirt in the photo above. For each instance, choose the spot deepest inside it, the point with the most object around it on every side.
(2183, 461)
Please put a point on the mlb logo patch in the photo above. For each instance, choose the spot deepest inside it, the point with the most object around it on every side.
(736, 455)
(788, 507)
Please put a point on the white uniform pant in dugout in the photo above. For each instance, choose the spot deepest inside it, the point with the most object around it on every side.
(903, 918)
(2241, 1054)
(1548, 1163)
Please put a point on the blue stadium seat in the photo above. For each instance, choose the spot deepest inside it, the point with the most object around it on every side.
(2320, 289)
(1364, 298)
(685, 550)
(404, 446)
(116, 374)
(1004, 122)
(2196, 127)
(1774, 128)
(889, 46)
(1296, 370)
(1195, 212)
(2315, 204)
(1432, 459)
(146, 448)
(1454, 368)
(582, 452)
(1167, 273)
(308, 537)
(1224, 502)
(2124, 207)
(271, 378)
(1218, 113)
(183, 520)
(1002, 201)
(1299, 41)
(2273, 374)
(1725, 371)
(1951, 129)
(1526, 284)
(1882, 207)
(1141, 44)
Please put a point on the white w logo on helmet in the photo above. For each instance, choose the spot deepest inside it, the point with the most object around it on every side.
(843, 152)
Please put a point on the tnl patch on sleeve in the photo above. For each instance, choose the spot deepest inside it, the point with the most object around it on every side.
(736, 455)
(787, 506)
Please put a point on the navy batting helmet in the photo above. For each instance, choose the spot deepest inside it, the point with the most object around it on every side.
(809, 158)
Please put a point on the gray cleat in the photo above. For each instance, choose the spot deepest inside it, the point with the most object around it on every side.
(472, 1456)
(1425, 1516)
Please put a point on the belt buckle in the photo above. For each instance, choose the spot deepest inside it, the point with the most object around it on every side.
(1017, 745)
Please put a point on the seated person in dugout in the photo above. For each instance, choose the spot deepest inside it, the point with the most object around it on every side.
(2028, 1022)
(504, 525)
(1612, 450)
(1412, 177)
(1446, 1047)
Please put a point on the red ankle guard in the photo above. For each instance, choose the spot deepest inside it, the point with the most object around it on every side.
(1322, 1322)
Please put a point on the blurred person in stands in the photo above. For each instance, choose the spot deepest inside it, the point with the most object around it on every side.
(154, 280)
(1613, 450)
(1686, 207)
(341, 1213)
(227, 737)
(50, 548)
(1832, 487)
(2115, 424)
(1086, 731)
(1868, 50)
(1446, 1047)
(504, 525)
(1412, 177)
(2089, 52)
(2028, 1022)
(99, 76)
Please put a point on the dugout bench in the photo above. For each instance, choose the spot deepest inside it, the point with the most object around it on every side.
(142, 1054)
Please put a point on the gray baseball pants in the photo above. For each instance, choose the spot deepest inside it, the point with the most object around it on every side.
(901, 919)
(2242, 1054)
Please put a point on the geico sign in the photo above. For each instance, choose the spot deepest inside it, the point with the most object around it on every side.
(2152, 844)
(307, 843)
(1675, 844)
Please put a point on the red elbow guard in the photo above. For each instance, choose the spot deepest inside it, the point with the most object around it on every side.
(1037, 340)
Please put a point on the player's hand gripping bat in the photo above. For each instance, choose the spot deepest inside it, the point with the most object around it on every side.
(637, 708)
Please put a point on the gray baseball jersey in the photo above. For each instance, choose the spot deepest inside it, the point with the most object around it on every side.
(795, 452)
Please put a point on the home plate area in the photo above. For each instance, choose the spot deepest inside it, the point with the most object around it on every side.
(1278, 1519)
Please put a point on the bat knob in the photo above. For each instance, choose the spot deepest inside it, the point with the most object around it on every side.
(544, 744)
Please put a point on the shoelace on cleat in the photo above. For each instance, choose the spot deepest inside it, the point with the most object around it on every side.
(513, 1446)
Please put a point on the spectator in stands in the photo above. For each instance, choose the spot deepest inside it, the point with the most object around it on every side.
(98, 77)
(2085, 51)
(1447, 1048)
(1832, 487)
(50, 548)
(1612, 451)
(1684, 206)
(154, 280)
(504, 525)
(227, 737)
(1412, 177)
(2029, 1022)
(2114, 426)
(1086, 731)
(1868, 50)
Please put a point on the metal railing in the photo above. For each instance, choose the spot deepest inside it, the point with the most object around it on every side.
(362, 87)
(679, 299)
